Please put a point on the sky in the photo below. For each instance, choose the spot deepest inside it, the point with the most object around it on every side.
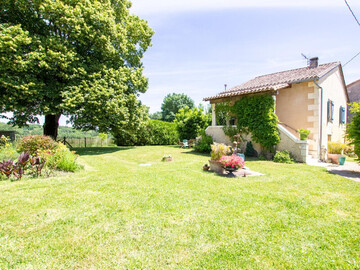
(200, 45)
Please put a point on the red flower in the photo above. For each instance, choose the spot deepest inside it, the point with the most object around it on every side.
(233, 161)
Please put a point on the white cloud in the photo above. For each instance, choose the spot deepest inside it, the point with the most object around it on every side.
(144, 7)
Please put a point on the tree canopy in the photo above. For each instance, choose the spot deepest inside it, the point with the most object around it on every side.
(72, 57)
(172, 103)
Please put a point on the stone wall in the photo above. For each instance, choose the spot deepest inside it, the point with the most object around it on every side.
(218, 135)
(297, 148)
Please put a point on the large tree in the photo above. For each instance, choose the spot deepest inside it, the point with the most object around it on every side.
(78, 58)
(172, 103)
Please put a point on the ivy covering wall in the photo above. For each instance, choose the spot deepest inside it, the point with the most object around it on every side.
(255, 115)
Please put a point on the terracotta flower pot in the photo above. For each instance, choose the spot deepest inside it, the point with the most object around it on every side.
(216, 166)
(334, 158)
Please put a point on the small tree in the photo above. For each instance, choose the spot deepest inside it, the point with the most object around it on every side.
(173, 103)
(103, 137)
(190, 122)
(353, 128)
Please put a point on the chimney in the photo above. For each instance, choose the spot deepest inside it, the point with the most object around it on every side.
(314, 62)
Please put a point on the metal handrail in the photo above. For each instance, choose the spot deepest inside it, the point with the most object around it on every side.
(281, 123)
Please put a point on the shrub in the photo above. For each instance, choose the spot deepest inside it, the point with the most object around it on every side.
(283, 157)
(61, 158)
(191, 122)
(33, 143)
(162, 133)
(218, 150)
(203, 145)
(250, 151)
(336, 147)
(154, 132)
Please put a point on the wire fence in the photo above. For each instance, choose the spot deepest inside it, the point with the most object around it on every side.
(86, 142)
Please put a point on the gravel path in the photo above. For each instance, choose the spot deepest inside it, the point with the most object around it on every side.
(350, 170)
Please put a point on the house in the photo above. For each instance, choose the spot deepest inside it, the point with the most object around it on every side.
(313, 97)
(354, 96)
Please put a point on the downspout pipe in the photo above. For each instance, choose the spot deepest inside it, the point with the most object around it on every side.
(321, 115)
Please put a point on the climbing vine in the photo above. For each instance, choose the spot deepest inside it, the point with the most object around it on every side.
(222, 113)
(255, 115)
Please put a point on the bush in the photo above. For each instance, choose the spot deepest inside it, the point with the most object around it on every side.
(162, 133)
(250, 151)
(203, 145)
(155, 132)
(61, 158)
(283, 157)
(191, 122)
(33, 143)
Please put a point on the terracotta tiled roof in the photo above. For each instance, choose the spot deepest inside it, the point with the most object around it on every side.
(276, 81)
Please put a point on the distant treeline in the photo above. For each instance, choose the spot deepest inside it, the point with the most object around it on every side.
(34, 129)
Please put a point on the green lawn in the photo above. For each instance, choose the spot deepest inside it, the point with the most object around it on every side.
(116, 214)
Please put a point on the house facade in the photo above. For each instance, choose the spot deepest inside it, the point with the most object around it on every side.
(313, 98)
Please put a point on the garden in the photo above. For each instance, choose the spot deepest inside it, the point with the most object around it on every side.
(126, 208)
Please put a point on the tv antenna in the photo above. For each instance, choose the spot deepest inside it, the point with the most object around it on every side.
(307, 58)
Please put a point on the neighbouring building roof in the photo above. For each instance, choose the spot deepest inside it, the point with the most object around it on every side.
(276, 81)
(354, 91)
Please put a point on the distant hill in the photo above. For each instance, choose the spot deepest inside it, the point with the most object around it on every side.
(34, 129)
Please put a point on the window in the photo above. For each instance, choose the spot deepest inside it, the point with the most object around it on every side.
(342, 115)
(330, 111)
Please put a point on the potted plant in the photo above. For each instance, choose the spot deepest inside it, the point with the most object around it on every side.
(217, 151)
(304, 133)
(206, 167)
(335, 151)
(232, 163)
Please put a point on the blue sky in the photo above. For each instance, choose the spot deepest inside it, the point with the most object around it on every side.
(201, 45)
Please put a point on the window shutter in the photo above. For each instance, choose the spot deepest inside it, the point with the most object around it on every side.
(329, 110)
(342, 115)
(332, 111)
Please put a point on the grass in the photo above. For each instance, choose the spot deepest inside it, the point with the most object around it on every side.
(116, 214)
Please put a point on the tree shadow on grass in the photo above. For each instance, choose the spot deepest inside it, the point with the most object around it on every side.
(193, 152)
(93, 151)
(349, 174)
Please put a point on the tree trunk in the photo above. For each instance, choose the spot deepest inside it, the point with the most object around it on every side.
(51, 125)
